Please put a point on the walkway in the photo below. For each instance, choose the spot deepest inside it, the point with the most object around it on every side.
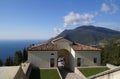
(66, 74)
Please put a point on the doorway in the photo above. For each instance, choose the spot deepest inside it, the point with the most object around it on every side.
(63, 59)
(52, 62)
(78, 61)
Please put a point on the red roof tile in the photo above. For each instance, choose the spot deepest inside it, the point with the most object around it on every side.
(80, 47)
(50, 46)
(44, 47)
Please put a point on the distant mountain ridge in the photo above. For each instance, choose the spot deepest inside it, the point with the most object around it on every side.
(88, 34)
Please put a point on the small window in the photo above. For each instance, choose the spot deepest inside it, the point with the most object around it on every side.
(52, 53)
(95, 60)
(52, 62)
(78, 61)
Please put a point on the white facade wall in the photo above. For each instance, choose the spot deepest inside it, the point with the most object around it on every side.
(42, 58)
(63, 44)
(72, 60)
(87, 57)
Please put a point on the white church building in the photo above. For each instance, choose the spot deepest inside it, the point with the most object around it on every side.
(70, 54)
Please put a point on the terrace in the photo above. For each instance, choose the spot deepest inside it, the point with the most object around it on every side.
(37, 73)
(92, 71)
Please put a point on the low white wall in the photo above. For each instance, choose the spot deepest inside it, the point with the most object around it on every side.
(111, 66)
(27, 68)
(59, 73)
(109, 74)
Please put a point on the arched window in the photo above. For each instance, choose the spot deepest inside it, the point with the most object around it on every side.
(52, 53)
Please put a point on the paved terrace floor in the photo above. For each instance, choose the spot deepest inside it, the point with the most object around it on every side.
(66, 74)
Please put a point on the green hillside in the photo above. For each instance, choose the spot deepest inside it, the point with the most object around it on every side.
(88, 34)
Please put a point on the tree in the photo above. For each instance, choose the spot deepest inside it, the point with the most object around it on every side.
(1, 63)
(111, 54)
(25, 54)
(9, 61)
(18, 57)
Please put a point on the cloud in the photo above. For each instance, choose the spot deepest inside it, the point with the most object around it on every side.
(57, 30)
(115, 8)
(71, 19)
(105, 8)
(87, 22)
(87, 16)
(75, 19)
(109, 9)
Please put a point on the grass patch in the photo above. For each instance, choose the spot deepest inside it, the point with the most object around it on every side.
(49, 74)
(92, 71)
(44, 74)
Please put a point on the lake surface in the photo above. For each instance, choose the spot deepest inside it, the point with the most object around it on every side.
(9, 47)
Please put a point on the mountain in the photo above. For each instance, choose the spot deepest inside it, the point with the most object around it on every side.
(88, 34)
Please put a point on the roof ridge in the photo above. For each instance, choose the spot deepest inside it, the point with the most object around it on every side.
(86, 45)
(57, 39)
(82, 47)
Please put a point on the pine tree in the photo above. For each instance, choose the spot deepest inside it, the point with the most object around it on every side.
(9, 61)
(1, 63)
(18, 58)
(25, 55)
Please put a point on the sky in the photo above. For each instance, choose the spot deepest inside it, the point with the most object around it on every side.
(43, 19)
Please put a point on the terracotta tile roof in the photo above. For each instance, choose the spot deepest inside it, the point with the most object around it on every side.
(50, 46)
(44, 47)
(80, 47)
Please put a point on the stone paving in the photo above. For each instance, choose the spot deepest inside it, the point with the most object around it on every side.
(73, 76)
(66, 74)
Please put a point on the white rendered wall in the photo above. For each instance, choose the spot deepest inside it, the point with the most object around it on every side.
(42, 58)
(63, 44)
(72, 60)
(87, 57)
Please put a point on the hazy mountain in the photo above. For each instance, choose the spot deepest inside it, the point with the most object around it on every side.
(89, 34)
